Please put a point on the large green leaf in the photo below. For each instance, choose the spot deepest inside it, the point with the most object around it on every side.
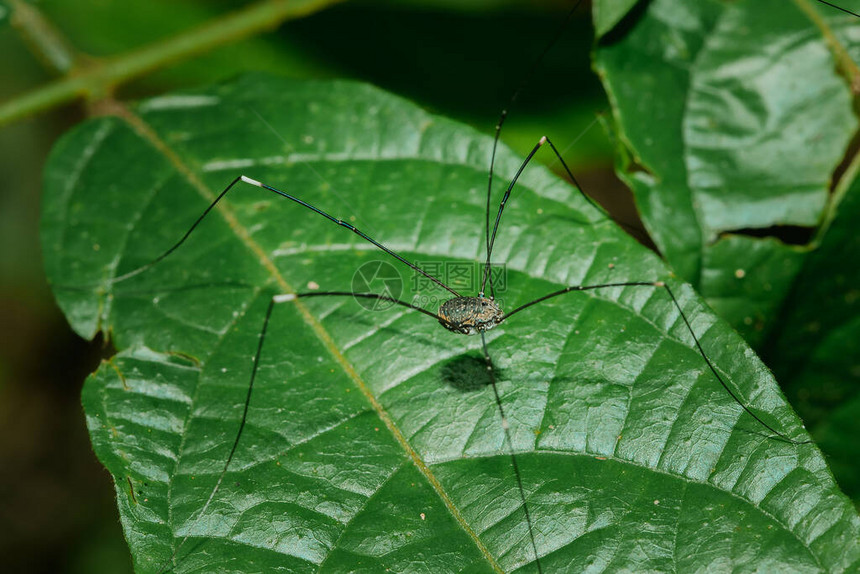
(733, 116)
(371, 441)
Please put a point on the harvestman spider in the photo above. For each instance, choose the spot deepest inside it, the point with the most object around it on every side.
(468, 315)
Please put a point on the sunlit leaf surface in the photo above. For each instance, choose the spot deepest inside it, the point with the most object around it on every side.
(373, 441)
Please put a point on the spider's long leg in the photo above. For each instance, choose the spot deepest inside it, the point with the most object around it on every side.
(256, 363)
(492, 237)
(289, 297)
(506, 428)
(313, 208)
(503, 116)
(840, 8)
(698, 344)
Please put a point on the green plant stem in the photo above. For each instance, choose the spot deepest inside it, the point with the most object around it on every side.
(101, 76)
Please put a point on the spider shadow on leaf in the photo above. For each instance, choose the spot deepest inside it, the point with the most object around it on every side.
(468, 373)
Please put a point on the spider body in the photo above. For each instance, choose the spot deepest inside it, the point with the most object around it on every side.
(470, 315)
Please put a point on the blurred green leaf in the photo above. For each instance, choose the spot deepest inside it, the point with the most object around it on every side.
(733, 117)
(5, 11)
(363, 449)
(607, 13)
